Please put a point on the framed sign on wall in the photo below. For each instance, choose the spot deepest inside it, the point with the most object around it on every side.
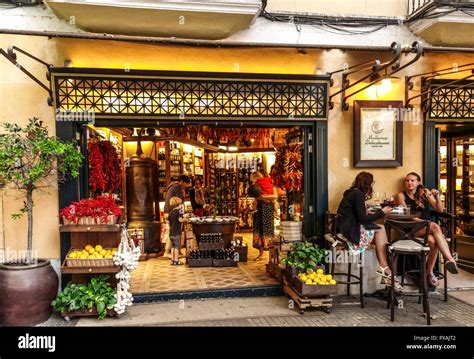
(378, 134)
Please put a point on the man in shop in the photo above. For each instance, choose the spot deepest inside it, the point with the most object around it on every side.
(175, 189)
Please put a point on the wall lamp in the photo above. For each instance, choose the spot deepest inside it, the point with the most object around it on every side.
(375, 75)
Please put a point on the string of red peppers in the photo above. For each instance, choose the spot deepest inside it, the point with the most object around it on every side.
(288, 170)
(105, 173)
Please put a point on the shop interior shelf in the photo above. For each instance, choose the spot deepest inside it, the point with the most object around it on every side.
(90, 228)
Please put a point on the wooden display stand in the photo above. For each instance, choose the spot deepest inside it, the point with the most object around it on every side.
(303, 303)
(108, 236)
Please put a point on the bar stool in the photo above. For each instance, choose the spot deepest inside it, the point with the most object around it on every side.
(406, 243)
(447, 223)
(338, 242)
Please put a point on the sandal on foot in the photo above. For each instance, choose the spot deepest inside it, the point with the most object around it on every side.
(432, 280)
(451, 267)
(173, 263)
(178, 263)
(381, 272)
(398, 287)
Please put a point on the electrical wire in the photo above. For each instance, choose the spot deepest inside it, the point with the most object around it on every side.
(353, 26)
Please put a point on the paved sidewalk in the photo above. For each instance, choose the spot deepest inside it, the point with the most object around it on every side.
(274, 311)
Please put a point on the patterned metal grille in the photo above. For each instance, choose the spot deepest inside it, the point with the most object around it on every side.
(171, 98)
(450, 103)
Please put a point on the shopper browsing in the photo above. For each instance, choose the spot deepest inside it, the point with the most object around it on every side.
(175, 189)
(176, 218)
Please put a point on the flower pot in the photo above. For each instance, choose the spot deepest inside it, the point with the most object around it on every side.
(26, 293)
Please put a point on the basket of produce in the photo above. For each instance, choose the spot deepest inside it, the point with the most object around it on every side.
(315, 284)
(91, 256)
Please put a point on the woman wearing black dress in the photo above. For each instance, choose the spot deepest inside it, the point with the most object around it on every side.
(355, 224)
(421, 199)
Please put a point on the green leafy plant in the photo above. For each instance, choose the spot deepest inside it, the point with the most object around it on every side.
(304, 255)
(30, 159)
(96, 294)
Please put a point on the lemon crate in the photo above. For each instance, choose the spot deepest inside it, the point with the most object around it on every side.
(314, 290)
(88, 262)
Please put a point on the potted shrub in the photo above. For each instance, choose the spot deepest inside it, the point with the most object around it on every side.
(302, 256)
(29, 161)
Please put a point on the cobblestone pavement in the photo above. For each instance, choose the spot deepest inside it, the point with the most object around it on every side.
(272, 312)
(453, 313)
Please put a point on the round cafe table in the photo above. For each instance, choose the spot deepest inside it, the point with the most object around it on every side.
(403, 217)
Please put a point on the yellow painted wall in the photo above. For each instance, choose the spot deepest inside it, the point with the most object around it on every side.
(21, 98)
(346, 7)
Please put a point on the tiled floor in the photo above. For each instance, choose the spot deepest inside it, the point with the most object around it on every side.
(157, 275)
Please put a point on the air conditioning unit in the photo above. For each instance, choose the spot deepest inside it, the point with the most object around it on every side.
(26, 2)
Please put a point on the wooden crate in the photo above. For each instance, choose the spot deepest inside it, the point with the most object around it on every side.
(201, 262)
(314, 290)
(243, 252)
(87, 313)
(88, 262)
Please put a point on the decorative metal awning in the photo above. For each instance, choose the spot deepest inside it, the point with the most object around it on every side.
(119, 94)
(451, 102)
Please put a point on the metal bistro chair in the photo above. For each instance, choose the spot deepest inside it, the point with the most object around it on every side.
(447, 223)
(337, 243)
(406, 243)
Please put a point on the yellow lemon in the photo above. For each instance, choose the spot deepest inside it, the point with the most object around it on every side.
(332, 281)
(98, 248)
(99, 256)
(329, 277)
(91, 250)
(319, 271)
(73, 255)
(304, 278)
(108, 256)
(103, 252)
(308, 282)
(88, 247)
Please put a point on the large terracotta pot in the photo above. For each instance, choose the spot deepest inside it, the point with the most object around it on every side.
(26, 293)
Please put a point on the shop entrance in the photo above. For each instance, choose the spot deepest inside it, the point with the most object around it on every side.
(456, 182)
(226, 160)
(114, 100)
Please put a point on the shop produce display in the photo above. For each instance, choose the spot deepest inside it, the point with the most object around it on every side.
(90, 252)
(105, 172)
(101, 210)
(126, 257)
(288, 170)
(318, 277)
(96, 295)
(304, 256)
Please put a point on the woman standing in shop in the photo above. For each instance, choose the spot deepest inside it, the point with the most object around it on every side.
(263, 221)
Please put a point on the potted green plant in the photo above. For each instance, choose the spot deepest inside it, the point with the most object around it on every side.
(30, 159)
(302, 256)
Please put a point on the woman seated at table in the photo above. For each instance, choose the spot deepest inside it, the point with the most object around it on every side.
(357, 227)
(421, 199)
